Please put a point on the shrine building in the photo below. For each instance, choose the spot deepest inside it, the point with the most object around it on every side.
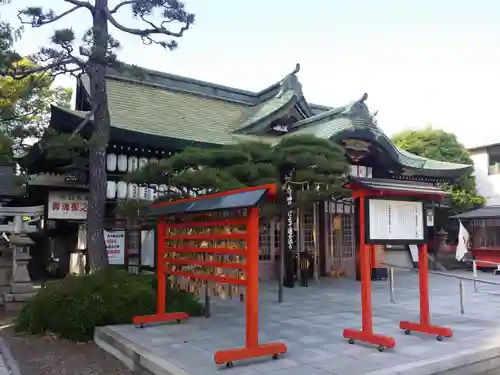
(156, 114)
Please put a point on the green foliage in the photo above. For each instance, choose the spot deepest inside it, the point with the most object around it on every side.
(159, 22)
(439, 145)
(317, 164)
(73, 307)
(24, 103)
(25, 106)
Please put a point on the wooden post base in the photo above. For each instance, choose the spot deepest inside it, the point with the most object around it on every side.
(428, 329)
(381, 341)
(273, 350)
(159, 318)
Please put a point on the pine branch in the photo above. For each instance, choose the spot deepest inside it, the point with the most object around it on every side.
(172, 11)
(84, 4)
(39, 19)
(123, 3)
(24, 73)
(155, 29)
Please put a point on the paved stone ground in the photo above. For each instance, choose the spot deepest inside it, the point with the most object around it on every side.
(3, 368)
(311, 321)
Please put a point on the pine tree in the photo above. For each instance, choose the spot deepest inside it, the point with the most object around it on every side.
(93, 55)
(317, 166)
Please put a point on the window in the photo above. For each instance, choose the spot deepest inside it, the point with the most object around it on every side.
(486, 233)
(494, 160)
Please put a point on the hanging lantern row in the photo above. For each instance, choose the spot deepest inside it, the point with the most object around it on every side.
(124, 163)
(124, 190)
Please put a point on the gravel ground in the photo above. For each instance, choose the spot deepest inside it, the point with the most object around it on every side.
(51, 356)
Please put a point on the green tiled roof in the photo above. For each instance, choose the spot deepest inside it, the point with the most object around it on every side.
(433, 164)
(354, 115)
(165, 105)
(270, 109)
(161, 112)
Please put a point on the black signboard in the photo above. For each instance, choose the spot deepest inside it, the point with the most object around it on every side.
(290, 248)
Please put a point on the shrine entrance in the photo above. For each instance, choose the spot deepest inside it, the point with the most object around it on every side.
(392, 212)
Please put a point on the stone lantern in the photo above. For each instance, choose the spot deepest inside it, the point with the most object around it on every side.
(21, 288)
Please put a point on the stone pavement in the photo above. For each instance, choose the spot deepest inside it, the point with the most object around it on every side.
(4, 370)
(311, 321)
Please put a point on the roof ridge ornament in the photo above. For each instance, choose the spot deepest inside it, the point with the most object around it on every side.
(290, 82)
(363, 98)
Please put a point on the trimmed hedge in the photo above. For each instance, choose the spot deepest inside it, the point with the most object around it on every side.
(73, 307)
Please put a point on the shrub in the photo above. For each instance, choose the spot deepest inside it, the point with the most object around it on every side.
(73, 307)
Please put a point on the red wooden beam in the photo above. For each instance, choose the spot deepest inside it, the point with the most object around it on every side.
(207, 237)
(214, 223)
(208, 250)
(206, 263)
(200, 276)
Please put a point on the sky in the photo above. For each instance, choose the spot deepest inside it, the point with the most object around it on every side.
(420, 61)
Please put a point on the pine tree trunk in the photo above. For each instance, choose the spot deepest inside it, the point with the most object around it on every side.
(98, 257)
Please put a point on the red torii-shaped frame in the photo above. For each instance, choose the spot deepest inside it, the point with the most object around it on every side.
(366, 333)
(252, 348)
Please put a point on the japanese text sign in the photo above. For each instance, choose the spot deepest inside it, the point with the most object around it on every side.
(115, 245)
(67, 205)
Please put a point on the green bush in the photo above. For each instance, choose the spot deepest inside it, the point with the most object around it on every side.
(73, 307)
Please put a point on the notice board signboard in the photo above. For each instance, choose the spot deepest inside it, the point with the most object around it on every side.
(395, 221)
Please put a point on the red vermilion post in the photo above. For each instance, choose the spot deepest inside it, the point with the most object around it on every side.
(365, 269)
(423, 276)
(161, 288)
(252, 348)
(161, 294)
(424, 326)
(252, 263)
(365, 264)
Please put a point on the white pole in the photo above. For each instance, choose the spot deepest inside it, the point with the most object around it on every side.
(391, 284)
(474, 274)
(462, 296)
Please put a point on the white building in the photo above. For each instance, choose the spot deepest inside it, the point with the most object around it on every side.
(487, 169)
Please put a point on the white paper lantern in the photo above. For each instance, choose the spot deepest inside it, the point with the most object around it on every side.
(369, 172)
(143, 192)
(152, 192)
(121, 190)
(132, 163)
(111, 162)
(143, 162)
(122, 163)
(162, 190)
(133, 191)
(153, 160)
(110, 189)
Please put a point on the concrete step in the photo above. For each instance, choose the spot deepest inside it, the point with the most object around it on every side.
(144, 362)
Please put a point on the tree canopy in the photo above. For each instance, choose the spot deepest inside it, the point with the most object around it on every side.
(317, 165)
(25, 106)
(24, 103)
(443, 146)
(159, 22)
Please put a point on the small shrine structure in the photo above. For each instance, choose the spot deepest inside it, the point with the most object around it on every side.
(214, 238)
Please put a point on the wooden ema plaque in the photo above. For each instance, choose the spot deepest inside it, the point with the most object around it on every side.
(219, 246)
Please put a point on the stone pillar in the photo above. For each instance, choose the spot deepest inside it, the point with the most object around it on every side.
(133, 245)
(21, 288)
(5, 268)
(444, 256)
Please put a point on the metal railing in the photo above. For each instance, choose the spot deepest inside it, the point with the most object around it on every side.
(461, 280)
